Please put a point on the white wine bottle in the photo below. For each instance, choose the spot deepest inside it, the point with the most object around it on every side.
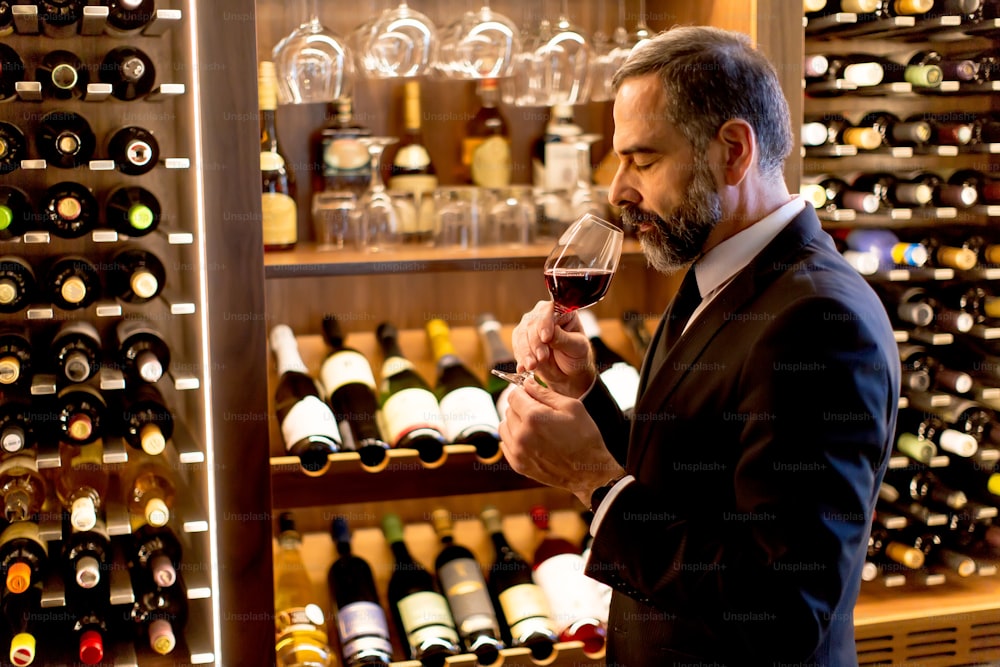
(412, 168)
(469, 413)
(280, 214)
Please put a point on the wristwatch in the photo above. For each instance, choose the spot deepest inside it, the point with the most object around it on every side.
(601, 492)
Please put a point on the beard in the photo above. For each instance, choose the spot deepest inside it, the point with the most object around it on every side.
(672, 244)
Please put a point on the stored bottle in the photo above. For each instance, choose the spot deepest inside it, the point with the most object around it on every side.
(69, 210)
(60, 18)
(6, 19)
(486, 152)
(931, 544)
(840, 195)
(76, 351)
(65, 139)
(554, 156)
(946, 130)
(146, 422)
(893, 8)
(143, 353)
(18, 287)
(896, 132)
(11, 71)
(833, 128)
(15, 355)
(914, 305)
(858, 69)
(987, 188)
(986, 128)
(420, 612)
(523, 603)
(852, 6)
(299, 622)
(62, 75)
(157, 550)
(16, 215)
(126, 17)
(24, 556)
(90, 629)
(159, 613)
(942, 254)
(22, 614)
(277, 181)
(884, 546)
(343, 162)
(132, 211)
(813, 6)
(13, 149)
(81, 413)
(913, 513)
(86, 557)
(412, 168)
(350, 390)
(361, 622)
(886, 245)
(17, 429)
(926, 488)
(941, 377)
(136, 276)
(618, 375)
(498, 357)
(308, 425)
(953, 68)
(920, 435)
(129, 71)
(21, 486)
(150, 491)
(470, 416)
(970, 10)
(559, 570)
(72, 282)
(134, 150)
(411, 415)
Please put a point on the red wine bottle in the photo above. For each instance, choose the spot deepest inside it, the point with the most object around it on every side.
(157, 550)
(618, 375)
(159, 613)
(80, 414)
(143, 353)
(127, 17)
(11, 71)
(75, 351)
(72, 282)
(62, 75)
(86, 556)
(13, 149)
(945, 129)
(69, 210)
(60, 18)
(16, 214)
(136, 276)
(132, 211)
(129, 71)
(65, 140)
(134, 150)
(15, 355)
(146, 421)
(18, 287)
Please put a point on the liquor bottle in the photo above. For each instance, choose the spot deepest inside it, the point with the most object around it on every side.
(17, 430)
(145, 421)
(486, 154)
(129, 71)
(361, 622)
(277, 180)
(554, 157)
(127, 17)
(132, 210)
(16, 215)
(22, 614)
(419, 611)
(963, 415)
(150, 491)
(142, 352)
(65, 140)
(13, 149)
(72, 282)
(62, 75)
(896, 132)
(953, 68)
(11, 71)
(893, 8)
(76, 351)
(15, 355)
(913, 513)
(159, 613)
(69, 210)
(136, 276)
(350, 390)
(412, 167)
(86, 556)
(618, 375)
(18, 287)
(884, 546)
(523, 603)
(82, 483)
(80, 414)
(470, 416)
(925, 69)
(559, 569)
(308, 425)
(157, 550)
(21, 485)
(833, 128)
(465, 589)
(134, 150)
(411, 415)
(343, 162)
(24, 556)
(886, 245)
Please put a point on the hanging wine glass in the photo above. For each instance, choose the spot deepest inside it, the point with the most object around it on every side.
(524, 87)
(480, 45)
(608, 59)
(564, 62)
(642, 31)
(313, 64)
(400, 43)
(380, 224)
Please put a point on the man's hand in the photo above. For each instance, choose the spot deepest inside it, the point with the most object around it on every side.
(556, 349)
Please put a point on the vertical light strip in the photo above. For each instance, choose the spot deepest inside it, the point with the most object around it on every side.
(202, 231)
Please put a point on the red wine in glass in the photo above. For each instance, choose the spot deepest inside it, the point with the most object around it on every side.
(572, 289)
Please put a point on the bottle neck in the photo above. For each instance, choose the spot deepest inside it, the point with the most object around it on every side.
(268, 131)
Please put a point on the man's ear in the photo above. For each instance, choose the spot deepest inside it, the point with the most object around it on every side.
(739, 144)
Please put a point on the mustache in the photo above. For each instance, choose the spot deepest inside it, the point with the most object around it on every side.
(631, 214)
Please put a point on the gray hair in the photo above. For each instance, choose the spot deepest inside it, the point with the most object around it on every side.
(711, 76)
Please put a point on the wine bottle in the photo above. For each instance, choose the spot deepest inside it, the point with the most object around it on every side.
(62, 75)
(945, 129)
(486, 153)
(60, 18)
(142, 352)
(523, 603)
(157, 550)
(813, 6)
(412, 168)
(21, 486)
(90, 628)
(953, 68)
(470, 416)
(127, 17)
(969, 10)
(986, 128)
(343, 162)
(80, 414)
(129, 71)
(145, 421)
(24, 556)
(136, 276)
(13, 149)
(16, 215)
(361, 622)
(914, 305)
(852, 6)
(17, 284)
(69, 210)
(833, 128)
(76, 351)
(15, 355)
(941, 253)
(925, 488)
(419, 611)
(919, 436)
(988, 190)
(132, 211)
(277, 180)
(913, 513)
(618, 375)
(72, 282)
(308, 425)
(948, 194)
(134, 150)
(865, 263)
(858, 69)
(150, 491)
(896, 132)
(300, 623)
(11, 71)
(65, 140)
(159, 613)
(885, 547)
(350, 389)
(86, 556)
(6, 19)
(893, 8)
(559, 569)
(886, 245)
(941, 377)
(840, 195)
(411, 415)
(931, 545)
(22, 614)
(17, 430)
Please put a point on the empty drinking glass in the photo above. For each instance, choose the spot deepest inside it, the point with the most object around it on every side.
(312, 63)
(400, 42)
(479, 45)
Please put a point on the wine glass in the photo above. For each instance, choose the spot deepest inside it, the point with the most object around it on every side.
(401, 42)
(380, 225)
(612, 55)
(479, 45)
(565, 62)
(578, 270)
(312, 63)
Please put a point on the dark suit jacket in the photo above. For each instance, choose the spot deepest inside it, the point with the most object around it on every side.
(757, 449)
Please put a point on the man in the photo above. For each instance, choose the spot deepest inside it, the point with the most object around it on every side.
(732, 515)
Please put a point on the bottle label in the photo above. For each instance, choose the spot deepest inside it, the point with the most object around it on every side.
(343, 368)
(465, 409)
(345, 155)
(309, 417)
(560, 165)
(362, 626)
(279, 218)
(412, 157)
(490, 161)
(465, 588)
(568, 589)
(424, 616)
(525, 605)
(622, 380)
(408, 409)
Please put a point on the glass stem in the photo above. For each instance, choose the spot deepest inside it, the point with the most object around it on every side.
(312, 12)
(375, 151)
